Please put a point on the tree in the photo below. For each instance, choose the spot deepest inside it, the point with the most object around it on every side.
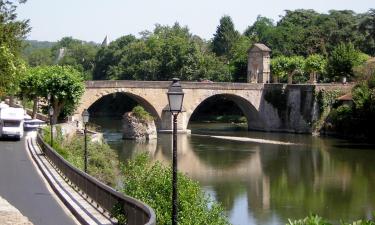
(279, 68)
(31, 86)
(76, 53)
(12, 31)
(12, 69)
(225, 37)
(239, 57)
(315, 64)
(342, 61)
(283, 66)
(165, 53)
(65, 86)
(367, 28)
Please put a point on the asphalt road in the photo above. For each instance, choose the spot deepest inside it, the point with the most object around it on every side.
(21, 186)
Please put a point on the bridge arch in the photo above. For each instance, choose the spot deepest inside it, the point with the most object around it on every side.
(90, 101)
(254, 119)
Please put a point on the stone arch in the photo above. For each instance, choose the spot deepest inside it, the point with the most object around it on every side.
(139, 99)
(254, 119)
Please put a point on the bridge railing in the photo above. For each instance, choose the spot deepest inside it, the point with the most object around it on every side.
(136, 212)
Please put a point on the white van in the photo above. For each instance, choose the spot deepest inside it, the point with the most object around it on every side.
(11, 122)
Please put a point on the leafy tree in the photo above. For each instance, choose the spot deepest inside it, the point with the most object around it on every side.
(40, 57)
(367, 28)
(342, 61)
(165, 53)
(279, 67)
(31, 86)
(12, 69)
(287, 66)
(225, 37)
(77, 53)
(260, 29)
(315, 64)
(12, 31)
(65, 86)
(239, 57)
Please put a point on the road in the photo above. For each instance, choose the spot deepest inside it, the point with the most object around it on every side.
(22, 186)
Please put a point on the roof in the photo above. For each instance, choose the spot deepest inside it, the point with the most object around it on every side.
(346, 97)
(261, 47)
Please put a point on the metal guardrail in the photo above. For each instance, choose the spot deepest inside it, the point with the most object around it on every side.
(136, 212)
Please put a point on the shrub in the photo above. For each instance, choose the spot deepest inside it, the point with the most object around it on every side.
(102, 160)
(141, 113)
(152, 184)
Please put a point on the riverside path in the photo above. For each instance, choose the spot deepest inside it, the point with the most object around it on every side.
(23, 187)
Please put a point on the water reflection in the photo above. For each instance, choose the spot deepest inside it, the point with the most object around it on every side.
(266, 183)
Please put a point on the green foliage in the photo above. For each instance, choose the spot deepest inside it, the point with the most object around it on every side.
(12, 69)
(77, 54)
(141, 113)
(310, 220)
(65, 86)
(317, 220)
(102, 160)
(165, 53)
(12, 31)
(315, 64)
(225, 37)
(118, 213)
(342, 60)
(361, 95)
(152, 184)
(283, 66)
(238, 58)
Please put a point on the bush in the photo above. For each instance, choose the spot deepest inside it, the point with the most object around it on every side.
(141, 113)
(152, 184)
(317, 220)
(102, 160)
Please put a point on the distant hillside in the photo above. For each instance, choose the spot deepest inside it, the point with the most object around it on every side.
(32, 45)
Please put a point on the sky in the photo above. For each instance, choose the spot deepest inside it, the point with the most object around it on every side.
(92, 20)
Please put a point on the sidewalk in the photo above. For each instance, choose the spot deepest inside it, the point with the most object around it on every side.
(9, 215)
(84, 209)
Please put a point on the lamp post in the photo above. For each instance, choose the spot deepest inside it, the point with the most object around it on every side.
(175, 98)
(50, 112)
(85, 117)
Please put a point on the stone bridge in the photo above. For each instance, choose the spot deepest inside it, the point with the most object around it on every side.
(267, 107)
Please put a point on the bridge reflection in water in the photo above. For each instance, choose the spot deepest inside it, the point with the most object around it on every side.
(267, 183)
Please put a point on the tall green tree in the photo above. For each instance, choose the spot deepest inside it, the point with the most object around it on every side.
(12, 69)
(367, 28)
(225, 37)
(315, 65)
(32, 86)
(165, 53)
(65, 86)
(12, 31)
(342, 61)
(76, 53)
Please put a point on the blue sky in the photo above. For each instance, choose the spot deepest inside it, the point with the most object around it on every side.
(92, 20)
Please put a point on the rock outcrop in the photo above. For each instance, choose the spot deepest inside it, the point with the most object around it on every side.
(138, 129)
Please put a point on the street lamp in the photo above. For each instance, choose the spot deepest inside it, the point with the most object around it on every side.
(85, 117)
(50, 112)
(175, 98)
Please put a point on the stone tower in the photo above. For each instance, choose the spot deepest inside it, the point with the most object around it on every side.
(258, 64)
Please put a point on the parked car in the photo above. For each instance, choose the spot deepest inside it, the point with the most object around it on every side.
(33, 124)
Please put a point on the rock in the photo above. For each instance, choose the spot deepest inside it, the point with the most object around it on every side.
(138, 129)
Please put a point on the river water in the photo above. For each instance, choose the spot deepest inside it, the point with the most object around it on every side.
(266, 178)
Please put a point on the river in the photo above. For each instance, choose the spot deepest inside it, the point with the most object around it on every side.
(266, 178)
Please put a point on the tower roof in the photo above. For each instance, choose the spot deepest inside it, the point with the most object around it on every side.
(259, 47)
